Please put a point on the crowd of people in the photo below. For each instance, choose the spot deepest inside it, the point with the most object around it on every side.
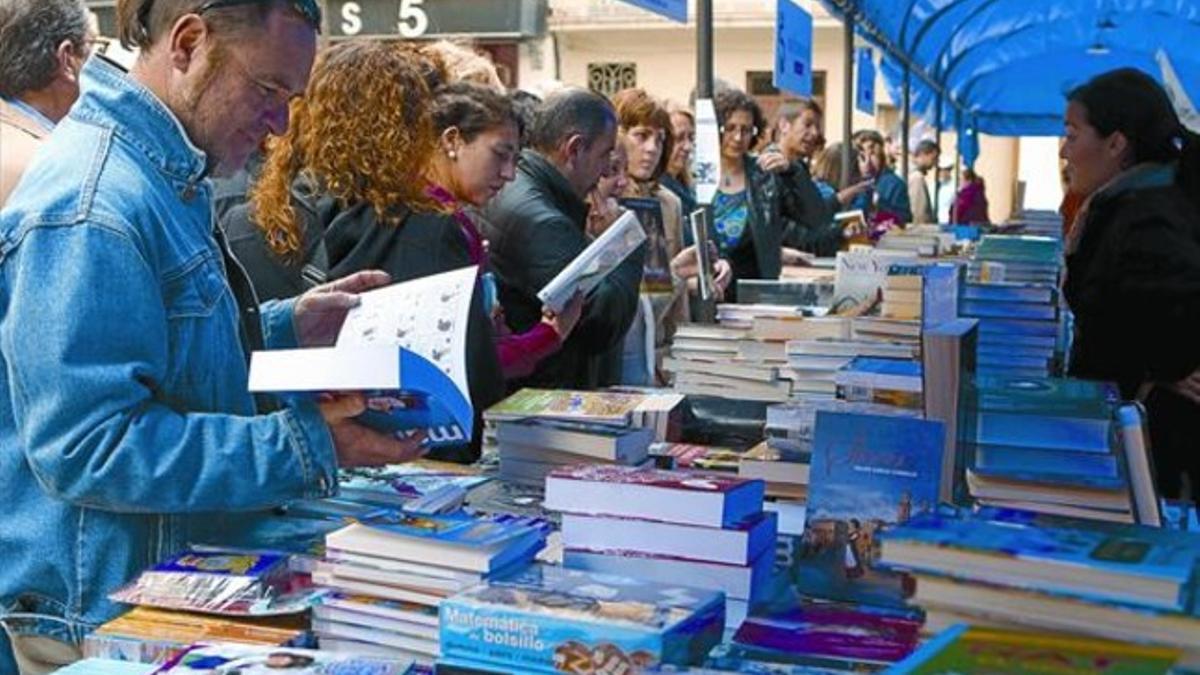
(128, 310)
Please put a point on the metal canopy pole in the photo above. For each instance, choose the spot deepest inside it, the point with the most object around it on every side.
(704, 49)
(958, 130)
(704, 90)
(847, 97)
(905, 122)
(937, 165)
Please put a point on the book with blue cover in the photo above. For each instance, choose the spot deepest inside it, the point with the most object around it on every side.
(868, 471)
(458, 541)
(404, 348)
(405, 485)
(1050, 462)
(1020, 249)
(549, 619)
(1103, 561)
(1045, 412)
(1032, 327)
(1008, 309)
(1009, 292)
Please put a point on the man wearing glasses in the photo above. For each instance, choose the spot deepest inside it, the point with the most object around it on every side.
(126, 429)
(43, 44)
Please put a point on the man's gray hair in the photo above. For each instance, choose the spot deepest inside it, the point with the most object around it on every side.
(30, 33)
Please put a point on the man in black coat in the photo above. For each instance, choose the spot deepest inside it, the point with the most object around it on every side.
(536, 226)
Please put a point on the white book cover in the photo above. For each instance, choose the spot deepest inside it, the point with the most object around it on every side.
(596, 261)
(405, 345)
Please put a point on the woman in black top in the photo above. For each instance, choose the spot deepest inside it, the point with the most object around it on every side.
(1133, 258)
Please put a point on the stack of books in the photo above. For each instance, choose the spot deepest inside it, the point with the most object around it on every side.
(706, 530)
(902, 293)
(536, 431)
(1017, 258)
(1047, 445)
(813, 364)
(744, 315)
(784, 471)
(1019, 325)
(920, 240)
(390, 573)
(1017, 569)
(726, 362)
(148, 635)
(1041, 223)
(895, 382)
(555, 620)
(802, 286)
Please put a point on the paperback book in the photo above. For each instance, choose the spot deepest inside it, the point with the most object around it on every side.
(1120, 563)
(596, 261)
(250, 660)
(404, 346)
(550, 619)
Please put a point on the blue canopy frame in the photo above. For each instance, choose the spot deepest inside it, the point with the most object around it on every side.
(1004, 67)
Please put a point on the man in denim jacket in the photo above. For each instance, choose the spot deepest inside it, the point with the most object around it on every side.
(125, 422)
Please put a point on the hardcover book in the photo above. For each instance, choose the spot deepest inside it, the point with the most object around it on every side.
(868, 471)
(404, 346)
(550, 619)
(739, 544)
(706, 499)
(1121, 563)
(656, 275)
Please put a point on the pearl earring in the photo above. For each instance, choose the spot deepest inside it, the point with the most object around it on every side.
(452, 154)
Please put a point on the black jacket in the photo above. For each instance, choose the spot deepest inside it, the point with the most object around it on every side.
(535, 227)
(809, 220)
(422, 245)
(1133, 283)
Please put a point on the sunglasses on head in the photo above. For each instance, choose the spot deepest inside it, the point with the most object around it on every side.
(309, 9)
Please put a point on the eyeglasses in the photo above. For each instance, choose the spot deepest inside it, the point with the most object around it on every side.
(308, 8)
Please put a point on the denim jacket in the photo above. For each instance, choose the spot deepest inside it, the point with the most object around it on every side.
(125, 422)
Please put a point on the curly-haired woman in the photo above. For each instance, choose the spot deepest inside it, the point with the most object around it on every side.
(345, 189)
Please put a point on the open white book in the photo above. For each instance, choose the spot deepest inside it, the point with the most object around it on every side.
(405, 346)
(590, 267)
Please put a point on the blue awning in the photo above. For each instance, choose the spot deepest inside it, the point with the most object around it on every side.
(1004, 67)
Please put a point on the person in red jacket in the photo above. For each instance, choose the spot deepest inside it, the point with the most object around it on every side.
(970, 204)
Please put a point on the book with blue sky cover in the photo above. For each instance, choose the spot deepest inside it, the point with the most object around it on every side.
(550, 619)
(868, 471)
(1106, 561)
(458, 541)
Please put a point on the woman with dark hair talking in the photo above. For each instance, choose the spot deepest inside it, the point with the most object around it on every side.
(1133, 258)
